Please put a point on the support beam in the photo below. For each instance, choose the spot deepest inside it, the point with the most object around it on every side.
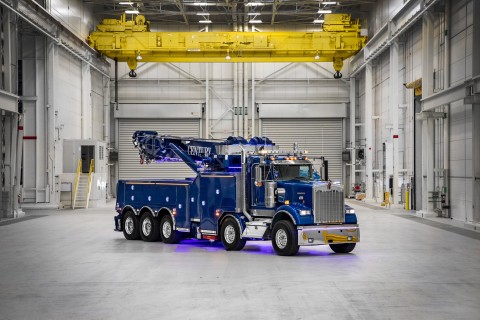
(394, 104)
(369, 152)
(353, 103)
(428, 143)
(476, 112)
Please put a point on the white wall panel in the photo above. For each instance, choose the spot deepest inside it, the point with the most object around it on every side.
(74, 15)
(68, 90)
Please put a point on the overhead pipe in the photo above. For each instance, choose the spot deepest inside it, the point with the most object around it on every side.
(253, 100)
(207, 101)
(245, 100)
(245, 76)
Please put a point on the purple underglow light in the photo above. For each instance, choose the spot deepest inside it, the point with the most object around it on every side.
(256, 247)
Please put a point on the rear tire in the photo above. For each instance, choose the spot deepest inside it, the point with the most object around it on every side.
(167, 232)
(130, 226)
(149, 227)
(231, 235)
(342, 247)
(285, 238)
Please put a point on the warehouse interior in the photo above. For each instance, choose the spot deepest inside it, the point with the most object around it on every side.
(396, 119)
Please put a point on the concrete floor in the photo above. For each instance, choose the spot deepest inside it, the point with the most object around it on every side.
(71, 265)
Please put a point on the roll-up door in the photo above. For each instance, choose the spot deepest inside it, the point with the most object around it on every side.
(129, 160)
(321, 137)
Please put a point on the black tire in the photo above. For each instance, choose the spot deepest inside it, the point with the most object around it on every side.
(231, 235)
(342, 247)
(149, 229)
(285, 238)
(167, 233)
(130, 226)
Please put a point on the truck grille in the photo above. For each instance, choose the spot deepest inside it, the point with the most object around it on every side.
(329, 206)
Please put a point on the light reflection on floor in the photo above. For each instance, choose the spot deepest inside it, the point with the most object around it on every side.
(252, 247)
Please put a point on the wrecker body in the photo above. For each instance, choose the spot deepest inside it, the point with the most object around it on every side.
(243, 190)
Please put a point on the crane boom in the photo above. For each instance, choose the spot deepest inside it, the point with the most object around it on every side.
(195, 152)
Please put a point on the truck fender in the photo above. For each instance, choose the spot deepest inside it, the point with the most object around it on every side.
(144, 208)
(236, 216)
(170, 213)
(129, 208)
(285, 210)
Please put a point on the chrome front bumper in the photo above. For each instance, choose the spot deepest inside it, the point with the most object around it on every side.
(328, 234)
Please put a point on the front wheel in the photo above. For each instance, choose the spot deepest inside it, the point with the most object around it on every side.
(231, 236)
(342, 247)
(167, 232)
(285, 238)
(130, 226)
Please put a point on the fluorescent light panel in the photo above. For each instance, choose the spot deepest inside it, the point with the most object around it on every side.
(254, 13)
(131, 11)
(318, 21)
(324, 11)
(203, 4)
(203, 13)
(329, 2)
(126, 3)
(255, 21)
(255, 4)
(205, 21)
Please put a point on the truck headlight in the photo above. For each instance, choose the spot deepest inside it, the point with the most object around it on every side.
(305, 212)
(350, 211)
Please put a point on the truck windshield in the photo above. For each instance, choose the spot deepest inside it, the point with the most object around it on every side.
(292, 171)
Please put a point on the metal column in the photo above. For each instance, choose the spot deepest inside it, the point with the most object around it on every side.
(394, 104)
(428, 143)
(369, 152)
(353, 103)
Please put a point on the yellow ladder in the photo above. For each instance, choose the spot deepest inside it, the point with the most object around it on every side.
(82, 186)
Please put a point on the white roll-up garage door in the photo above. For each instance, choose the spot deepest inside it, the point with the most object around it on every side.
(129, 160)
(321, 137)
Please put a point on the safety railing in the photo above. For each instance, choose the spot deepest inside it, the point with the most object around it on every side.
(89, 185)
(77, 180)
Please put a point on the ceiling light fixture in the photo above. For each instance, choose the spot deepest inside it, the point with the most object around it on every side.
(139, 57)
(203, 13)
(255, 4)
(255, 21)
(324, 11)
(128, 3)
(317, 57)
(205, 21)
(253, 13)
(318, 21)
(329, 2)
(131, 11)
(203, 4)
(228, 55)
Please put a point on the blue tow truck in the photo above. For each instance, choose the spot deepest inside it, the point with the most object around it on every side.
(243, 190)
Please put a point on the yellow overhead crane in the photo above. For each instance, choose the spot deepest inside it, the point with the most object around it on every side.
(128, 41)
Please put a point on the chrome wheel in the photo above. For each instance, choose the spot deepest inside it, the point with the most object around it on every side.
(229, 234)
(167, 229)
(281, 239)
(146, 227)
(129, 225)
